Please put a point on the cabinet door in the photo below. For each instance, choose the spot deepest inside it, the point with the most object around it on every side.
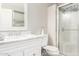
(15, 52)
(44, 41)
(37, 51)
(12, 52)
(32, 51)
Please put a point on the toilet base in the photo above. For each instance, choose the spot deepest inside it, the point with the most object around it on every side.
(51, 51)
(55, 55)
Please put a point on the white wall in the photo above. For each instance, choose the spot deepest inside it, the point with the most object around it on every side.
(6, 16)
(37, 17)
(14, 6)
(5, 19)
(52, 24)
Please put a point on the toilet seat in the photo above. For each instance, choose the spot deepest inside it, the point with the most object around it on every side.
(52, 50)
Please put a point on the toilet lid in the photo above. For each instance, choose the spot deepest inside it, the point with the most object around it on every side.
(51, 48)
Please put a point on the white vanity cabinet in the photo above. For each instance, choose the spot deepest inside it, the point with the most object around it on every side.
(44, 40)
(11, 51)
(33, 51)
(15, 52)
(27, 47)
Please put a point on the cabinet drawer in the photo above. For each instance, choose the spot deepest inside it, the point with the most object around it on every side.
(33, 51)
(15, 52)
(3, 54)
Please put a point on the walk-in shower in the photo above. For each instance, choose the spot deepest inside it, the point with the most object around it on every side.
(68, 31)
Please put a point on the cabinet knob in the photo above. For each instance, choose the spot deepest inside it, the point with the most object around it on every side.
(33, 54)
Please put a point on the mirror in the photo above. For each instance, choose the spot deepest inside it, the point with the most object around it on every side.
(18, 18)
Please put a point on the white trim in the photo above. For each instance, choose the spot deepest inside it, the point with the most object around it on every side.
(57, 24)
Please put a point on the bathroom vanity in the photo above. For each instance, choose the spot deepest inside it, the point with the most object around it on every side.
(29, 46)
(13, 19)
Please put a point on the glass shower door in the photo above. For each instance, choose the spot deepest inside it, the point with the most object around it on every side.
(69, 31)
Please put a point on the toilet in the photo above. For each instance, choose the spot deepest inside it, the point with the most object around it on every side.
(52, 51)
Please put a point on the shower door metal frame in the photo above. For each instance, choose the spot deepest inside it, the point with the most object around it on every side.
(58, 24)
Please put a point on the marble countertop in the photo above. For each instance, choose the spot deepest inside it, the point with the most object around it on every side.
(19, 38)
